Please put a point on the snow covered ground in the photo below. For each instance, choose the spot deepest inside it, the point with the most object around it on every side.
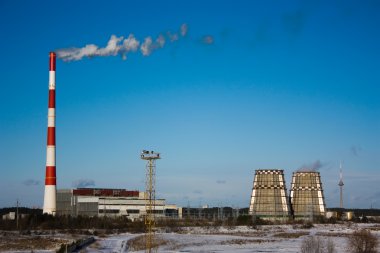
(275, 238)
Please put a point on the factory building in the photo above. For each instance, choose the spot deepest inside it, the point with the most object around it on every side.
(269, 197)
(109, 202)
(306, 195)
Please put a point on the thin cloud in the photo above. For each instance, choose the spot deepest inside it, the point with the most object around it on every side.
(373, 197)
(355, 150)
(220, 181)
(31, 182)
(197, 191)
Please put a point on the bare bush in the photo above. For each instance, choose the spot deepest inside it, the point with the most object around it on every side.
(362, 241)
(330, 246)
(314, 244)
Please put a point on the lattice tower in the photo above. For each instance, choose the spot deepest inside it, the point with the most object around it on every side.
(150, 197)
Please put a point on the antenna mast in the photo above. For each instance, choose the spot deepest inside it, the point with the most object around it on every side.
(341, 185)
(150, 196)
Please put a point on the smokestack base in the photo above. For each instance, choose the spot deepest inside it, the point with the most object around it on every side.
(50, 200)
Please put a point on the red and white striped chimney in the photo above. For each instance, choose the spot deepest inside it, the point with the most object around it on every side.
(50, 177)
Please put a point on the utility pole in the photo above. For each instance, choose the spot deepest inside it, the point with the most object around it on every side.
(150, 193)
(17, 214)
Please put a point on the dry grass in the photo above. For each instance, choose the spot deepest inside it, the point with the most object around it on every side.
(177, 246)
(242, 234)
(139, 243)
(244, 241)
(290, 235)
(331, 234)
(374, 228)
(30, 243)
(96, 245)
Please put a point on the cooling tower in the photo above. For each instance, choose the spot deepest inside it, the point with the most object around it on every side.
(50, 176)
(269, 199)
(306, 195)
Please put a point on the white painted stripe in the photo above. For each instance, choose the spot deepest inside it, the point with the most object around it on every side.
(50, 198)
(51, 80)
(283, 200)
(321, 204)
(51, 117)
(50, 156)
(281, 180)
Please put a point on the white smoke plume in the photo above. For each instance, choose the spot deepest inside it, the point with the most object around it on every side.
(160, 41)
(208, 39)
(146, 47)
(130, 44)
(172, 37)
(149, 46)
(121, 46)
(184, 29)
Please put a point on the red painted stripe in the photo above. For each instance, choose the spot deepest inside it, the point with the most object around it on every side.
(51, 136)
(51, 98)
(52, 57)
(50, 171)
(50, 181)
(50, 178)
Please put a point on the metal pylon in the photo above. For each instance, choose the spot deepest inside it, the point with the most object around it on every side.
(150, 197)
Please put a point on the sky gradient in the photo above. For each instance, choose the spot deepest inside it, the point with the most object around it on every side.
(252, 85)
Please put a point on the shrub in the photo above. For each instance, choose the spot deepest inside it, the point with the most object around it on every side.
(362, 241)
(330, 246)
(307, 225)
(314, 244)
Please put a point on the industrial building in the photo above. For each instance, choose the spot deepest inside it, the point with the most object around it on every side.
(269, 197)
(13, 216)
(109, 202)
(306, 195)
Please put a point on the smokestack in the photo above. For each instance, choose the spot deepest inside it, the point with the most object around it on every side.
(50, 177)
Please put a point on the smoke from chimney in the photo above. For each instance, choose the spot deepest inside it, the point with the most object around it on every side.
(311, 167)
(121, 46)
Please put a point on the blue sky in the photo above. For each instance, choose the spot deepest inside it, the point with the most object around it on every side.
(252, 84)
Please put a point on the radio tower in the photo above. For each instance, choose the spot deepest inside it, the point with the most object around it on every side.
(341, 185)
(150, 196)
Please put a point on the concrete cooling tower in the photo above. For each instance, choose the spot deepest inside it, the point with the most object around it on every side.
(269, 199)
(306, 195)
